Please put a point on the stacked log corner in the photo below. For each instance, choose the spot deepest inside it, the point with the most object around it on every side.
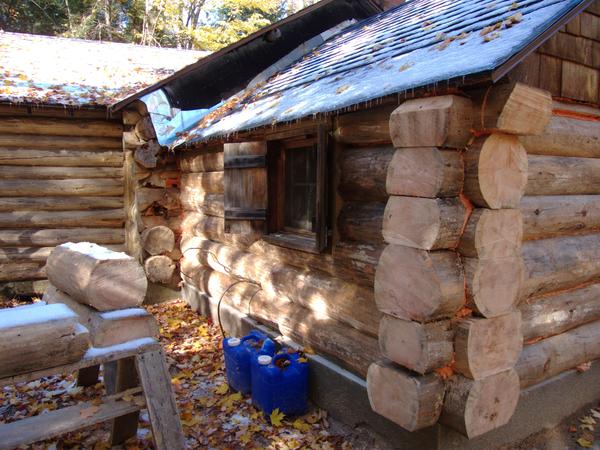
(449, 279)
(61, 179)
(152, 203)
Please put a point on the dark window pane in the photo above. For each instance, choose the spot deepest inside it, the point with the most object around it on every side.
(300, 188)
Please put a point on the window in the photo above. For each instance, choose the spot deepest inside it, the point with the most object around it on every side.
(297, 191)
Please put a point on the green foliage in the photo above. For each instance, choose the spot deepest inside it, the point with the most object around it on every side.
(197, 24)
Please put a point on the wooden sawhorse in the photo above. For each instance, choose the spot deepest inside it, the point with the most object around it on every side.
(143, 356)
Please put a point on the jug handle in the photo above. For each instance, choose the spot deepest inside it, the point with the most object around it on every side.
(280, 356)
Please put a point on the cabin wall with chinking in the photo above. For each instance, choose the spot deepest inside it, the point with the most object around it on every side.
(61, 179)
(324, 301)
(152, 205)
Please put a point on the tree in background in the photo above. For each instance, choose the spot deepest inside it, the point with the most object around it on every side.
(188, 24)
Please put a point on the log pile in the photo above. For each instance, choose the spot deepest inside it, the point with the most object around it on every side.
(61, 179)
(153, 204)
(104, 289)
(449, 279)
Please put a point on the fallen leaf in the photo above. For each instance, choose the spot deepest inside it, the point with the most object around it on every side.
(582, 442)
(276, 417)
(222, 389)
(301, 426)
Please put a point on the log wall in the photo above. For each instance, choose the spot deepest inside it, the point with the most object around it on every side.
(61, 179)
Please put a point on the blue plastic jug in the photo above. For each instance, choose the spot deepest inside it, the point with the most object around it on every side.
(280, 382)
(238, 355)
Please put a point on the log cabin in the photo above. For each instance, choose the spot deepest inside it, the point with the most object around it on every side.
(410, 192)
(62, 167)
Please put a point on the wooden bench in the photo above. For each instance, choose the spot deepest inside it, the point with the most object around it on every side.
(141, 381)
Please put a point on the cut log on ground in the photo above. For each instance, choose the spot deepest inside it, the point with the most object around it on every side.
(424, 223)
(557, 175)
(492, 234)
(552, 216)
(370, 127)
(44, 238)
(493, 284)
(419, 285)
(411, 401)
(550, 357)
(485, 347)
(421, 347)
(566, 136)
(556, 313)
(107, 328)
(443, 121)
(96, 276)
(363, 173)
(474, 407)
(496, 171)
(425, 172)
(160, 269)
(35, 337)
(158, 240)
(111, 218)
(515, 109)
(362, 222)
(201, 160)
(59, 203)
(559, 263)
(60, 127)
(69, 158)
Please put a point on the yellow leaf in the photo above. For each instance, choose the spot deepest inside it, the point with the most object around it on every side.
(246, 437)
(582, 442)
(222, 389)
(301, 426)
(276, 417)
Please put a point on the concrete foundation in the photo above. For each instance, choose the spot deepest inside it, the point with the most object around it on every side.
(344, 395)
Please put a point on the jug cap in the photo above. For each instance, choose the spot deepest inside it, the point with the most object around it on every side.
(264, 360)
(233, 342)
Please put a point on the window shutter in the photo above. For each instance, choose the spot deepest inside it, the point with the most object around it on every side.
(245, 183)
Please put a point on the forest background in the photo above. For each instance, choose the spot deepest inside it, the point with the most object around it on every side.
(185, 24)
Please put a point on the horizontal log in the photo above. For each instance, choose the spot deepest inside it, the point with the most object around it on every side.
(485, 347)
(552, 216)
(421, 347)
(557, 175)
(201, 160)
(492, 284)
(425, 172)
(424, 223)
(173, 223)
(57, 173)
(59, 203)
(41, 142)
(566, 136)
(370, 127)
(360, 256)
(349, 347)
(361, 222)
(36, 254)
(60, 127)
(20, 271)
(204, 182)
(27, 157)
(48, 237)
(442, 121)
(556, 313)
(347, 302)
(210, 204)
(554, 355)
(559, 263)
(475, 407)
(419, 285)
(495, 171)
(363, 173)
(492, 234)
(93, 186)
(111, 218)
(162, 198)
(411, 401)
(97, 277)
(56, 111)
(210, 227)
(163, 178)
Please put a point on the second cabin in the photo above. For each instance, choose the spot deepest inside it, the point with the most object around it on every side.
(412, 194)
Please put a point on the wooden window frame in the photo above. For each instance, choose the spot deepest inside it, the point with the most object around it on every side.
(312, 242)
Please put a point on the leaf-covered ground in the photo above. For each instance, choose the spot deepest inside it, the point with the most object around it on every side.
(212, 415)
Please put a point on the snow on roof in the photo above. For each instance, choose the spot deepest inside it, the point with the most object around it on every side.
(61, 71)
(417, 44)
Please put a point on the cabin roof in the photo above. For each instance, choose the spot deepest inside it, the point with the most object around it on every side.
(76, 72)
(417, 44)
